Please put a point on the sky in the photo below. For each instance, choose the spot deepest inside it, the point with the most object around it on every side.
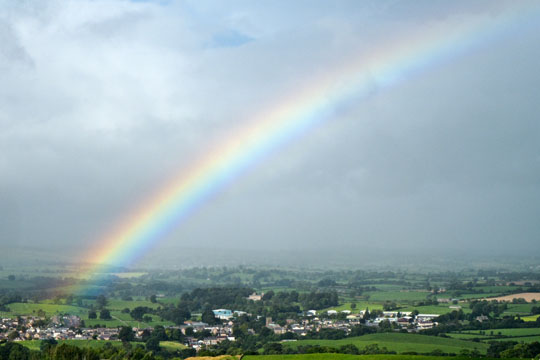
(103, 102)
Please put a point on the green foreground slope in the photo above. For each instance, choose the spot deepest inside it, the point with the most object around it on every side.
(400, 343)
(347, 357)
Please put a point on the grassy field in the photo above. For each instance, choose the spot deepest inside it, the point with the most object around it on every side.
(525, 339)
(115, 304)
(434, 309)
(466, 336)
(519, 335)
(344, 357)
(530, 318)
(171, 345)
(360, 305)
(398, 296)
(518, 309)
(50, 309)
(400, 343)
(34, 344)
(507, 332)
(122, 319)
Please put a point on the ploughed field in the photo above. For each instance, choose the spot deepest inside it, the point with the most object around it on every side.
(527, 296)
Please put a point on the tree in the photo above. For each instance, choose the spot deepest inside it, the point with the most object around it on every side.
(15, 352)
(13, 335)
(353, 306)
(105, 314)
(126, 334)
(11, 277)
(46, 344)
(269, 295)
(160, 333)
(272, 349)
(209, 317)
(153, 299)
(101, 301)
(139, 312)
(366, 314)
(92, 314)
(152, 344)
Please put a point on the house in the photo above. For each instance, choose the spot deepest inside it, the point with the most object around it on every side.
(422, 325)
(426, 317)
(255, 297)
(482, 318)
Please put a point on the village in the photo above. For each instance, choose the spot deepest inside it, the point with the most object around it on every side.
(68, 327)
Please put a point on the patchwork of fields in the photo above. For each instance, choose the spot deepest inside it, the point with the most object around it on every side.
(525, 335)
(115, 306)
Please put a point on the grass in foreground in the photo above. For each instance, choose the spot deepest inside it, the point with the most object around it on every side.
(400, 343)
(346, 357)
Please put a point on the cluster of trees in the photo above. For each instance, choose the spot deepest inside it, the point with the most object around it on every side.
(511, 349)
(318, 300)
(9, 298)
(104, 314)
(216, 297)
(487, 308)
(15, 351)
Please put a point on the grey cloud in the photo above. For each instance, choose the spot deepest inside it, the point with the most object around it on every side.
(123, 95)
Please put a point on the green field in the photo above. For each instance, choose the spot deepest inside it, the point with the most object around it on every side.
(398, 296)
(530, 318)
(434, 309)
(400, 342)
(172, 346)
(505, 332)
(34, 344)
(360, 305)
(114, 304)
(525, 339)
(50, 309)
(519, 309)
(466, 336)
(344, 357)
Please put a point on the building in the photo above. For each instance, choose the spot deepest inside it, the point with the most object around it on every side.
(255, 297)
(223, 314)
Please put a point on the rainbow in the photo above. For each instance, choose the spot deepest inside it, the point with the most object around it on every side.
(384, 67)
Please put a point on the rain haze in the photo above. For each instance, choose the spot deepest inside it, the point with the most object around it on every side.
(103, 103)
